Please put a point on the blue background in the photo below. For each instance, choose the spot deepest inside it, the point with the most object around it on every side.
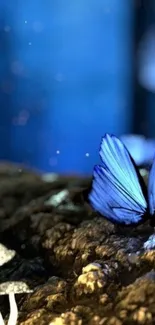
(66, 78)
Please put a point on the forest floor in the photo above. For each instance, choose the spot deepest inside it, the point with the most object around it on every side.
(81, 269)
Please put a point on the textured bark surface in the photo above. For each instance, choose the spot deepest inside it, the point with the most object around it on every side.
(81, 268)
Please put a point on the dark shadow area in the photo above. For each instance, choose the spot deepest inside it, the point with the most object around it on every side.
(140, 94)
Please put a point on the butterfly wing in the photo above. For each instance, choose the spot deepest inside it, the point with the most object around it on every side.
(151, 189)
(116, 191)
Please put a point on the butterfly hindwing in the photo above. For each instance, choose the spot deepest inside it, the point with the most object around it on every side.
(151, 189)
(116, 192)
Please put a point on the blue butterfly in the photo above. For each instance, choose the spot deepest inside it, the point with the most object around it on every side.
(118, 191)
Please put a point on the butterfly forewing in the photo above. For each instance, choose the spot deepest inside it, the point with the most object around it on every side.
(117, 159)
(116, 192)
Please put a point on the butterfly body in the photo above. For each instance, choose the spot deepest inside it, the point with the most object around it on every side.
(118, 191)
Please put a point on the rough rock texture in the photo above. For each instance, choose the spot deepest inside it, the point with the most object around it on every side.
(81, 268)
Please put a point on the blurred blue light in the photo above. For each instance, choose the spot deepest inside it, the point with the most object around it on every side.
(70, 69)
